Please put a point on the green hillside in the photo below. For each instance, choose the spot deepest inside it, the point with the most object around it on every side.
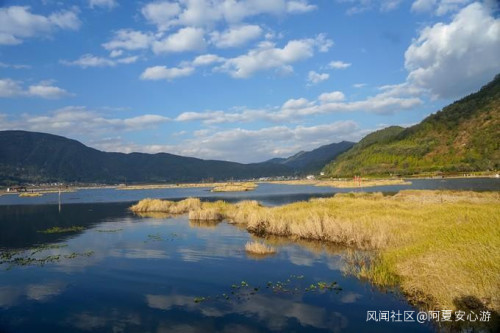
(462, 137)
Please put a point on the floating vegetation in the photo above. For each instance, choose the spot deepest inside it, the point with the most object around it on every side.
(13, 258)
(159, 238)
(47, 247)
(154, 238)
(109, 230)
(59, 230)
(292, 285)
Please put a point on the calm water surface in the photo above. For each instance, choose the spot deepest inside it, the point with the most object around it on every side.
(266, 193)
(125, 273)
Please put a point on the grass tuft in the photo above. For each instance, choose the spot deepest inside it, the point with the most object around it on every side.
(259, 248)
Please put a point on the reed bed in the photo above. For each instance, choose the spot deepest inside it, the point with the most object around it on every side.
(166, 206)
(235, 187)
(439, 246)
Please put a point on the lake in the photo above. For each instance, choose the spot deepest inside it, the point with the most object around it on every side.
(123, 273)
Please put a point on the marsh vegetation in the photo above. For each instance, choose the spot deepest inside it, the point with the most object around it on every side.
(259, 248)
(346, 183)
(438, 246)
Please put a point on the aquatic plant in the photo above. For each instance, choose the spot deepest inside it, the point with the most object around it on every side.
(109, 230)
(30, 257)
(59, 230)
(259, 248)
(291, 285)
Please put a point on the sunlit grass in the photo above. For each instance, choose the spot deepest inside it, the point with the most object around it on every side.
(235, 187)
(166, 206)
(30, 194)
(345, 183)
(259, 248)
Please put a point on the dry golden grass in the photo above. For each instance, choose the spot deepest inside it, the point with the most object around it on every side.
(162, 186)
(235, 187)
(30, 194)
(345, 183)
(166, 206)
(207, 214)
(259, 248)
(439, 246)
(216, 187)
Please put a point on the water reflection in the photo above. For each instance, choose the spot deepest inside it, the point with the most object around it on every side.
(145, 275)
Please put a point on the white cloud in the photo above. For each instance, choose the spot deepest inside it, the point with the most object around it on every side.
(360, 6)
(207, 59)
(18, 23)
(334, 96)
(315, 78)
(439, 7)
(339, 64)
(128, 60)
(161, 13)
(47, 91)
(391, 99)
(115, 53)
(44, 89)
(298, 103)
(103, 3)
(205, 13)
(10, 88)
(299, 7)
(235, 36)
(164, 73)
(14, 66)
(451, 60)
(78, 120)
(268, 56)
(260, 144)
(359, 85)
(186, 39)
(128, 39)
(89, 60)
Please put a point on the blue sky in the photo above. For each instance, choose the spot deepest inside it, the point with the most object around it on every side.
(242, 80)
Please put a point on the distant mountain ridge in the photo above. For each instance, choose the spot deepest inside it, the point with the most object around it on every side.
(314, 160)
(40, 157)
(462, 137)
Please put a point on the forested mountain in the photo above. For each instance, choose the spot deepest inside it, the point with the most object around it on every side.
(39, 157)
(462, 137)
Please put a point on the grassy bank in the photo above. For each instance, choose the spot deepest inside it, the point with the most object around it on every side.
(216, 187)
(347, 183)
(235, 187)
(441, 247)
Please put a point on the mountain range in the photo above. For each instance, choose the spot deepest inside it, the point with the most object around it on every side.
(40, 157)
